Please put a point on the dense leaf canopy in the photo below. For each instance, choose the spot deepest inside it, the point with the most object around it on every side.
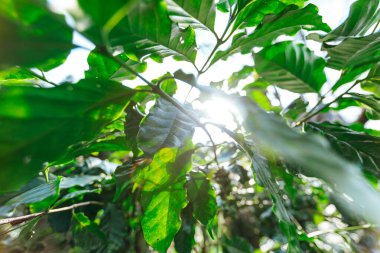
(140, 154)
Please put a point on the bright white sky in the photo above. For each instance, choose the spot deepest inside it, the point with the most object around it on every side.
(333, 12)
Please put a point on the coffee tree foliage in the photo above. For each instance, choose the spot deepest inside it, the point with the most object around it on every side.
(105, 165)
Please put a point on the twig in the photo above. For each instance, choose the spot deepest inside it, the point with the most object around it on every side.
(277, 95)
(374, 29)
(20, 219)
(219, 42)
(43, 78)
(353, 228)
(326, 105)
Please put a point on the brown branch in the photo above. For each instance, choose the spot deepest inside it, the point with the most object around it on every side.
(17, 220)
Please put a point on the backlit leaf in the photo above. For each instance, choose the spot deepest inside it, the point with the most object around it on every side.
(38, 125)
(291, 66)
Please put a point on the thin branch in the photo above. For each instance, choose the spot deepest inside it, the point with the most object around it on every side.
(20, 219)
(203, 69)
(375, 28)
(277, 95)
(219, 42)
(230, 22)
(353, 228)
(326, 105)
(43, 78)
(188, 94)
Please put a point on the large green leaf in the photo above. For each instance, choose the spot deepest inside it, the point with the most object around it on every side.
(167, 165)
(164, 196)
(150, 32)
(254, 12)
(313, 156)
(29, 34)
(38, 125)
(354, 56)
(354, 52)
(291, 66)
(363, 15)
(42, 196)
(16, 76)
(165, 126)
(102, 15)
(195, 13)
(161, 220)
(288, 22)
(103, 67)
(202, 197)
(360, 148)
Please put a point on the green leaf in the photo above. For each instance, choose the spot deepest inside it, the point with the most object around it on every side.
(167, 83)
(82, 181)
(104, 67)
(363, 15)
(354, 52)
(350, 75)
(360, 148)
(156, 174)
(295, 109)
(41, 196)
(224, 5)
(101, 13)
(289, 22)
(115, 144)
(73, 195)
(243, 73)
(313, 157)
(370, 103)
(236, 245)
(261, 169)
(255, 11)
(150, 32)
(354, 56)
(165, 126)
(161, 220)
(131, 127)
(195, 13)
(259, 96)
(87, 234)
(291, 66)
(163, 195)
(202, 197)
(113, 227)
(29, 34)
(166, 166)
(105, 17)
(16, 76)
(38, 125)
(184, 240)
(185, 77)
(372, 81)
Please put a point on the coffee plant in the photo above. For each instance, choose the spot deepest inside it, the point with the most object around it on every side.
(129, 156)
